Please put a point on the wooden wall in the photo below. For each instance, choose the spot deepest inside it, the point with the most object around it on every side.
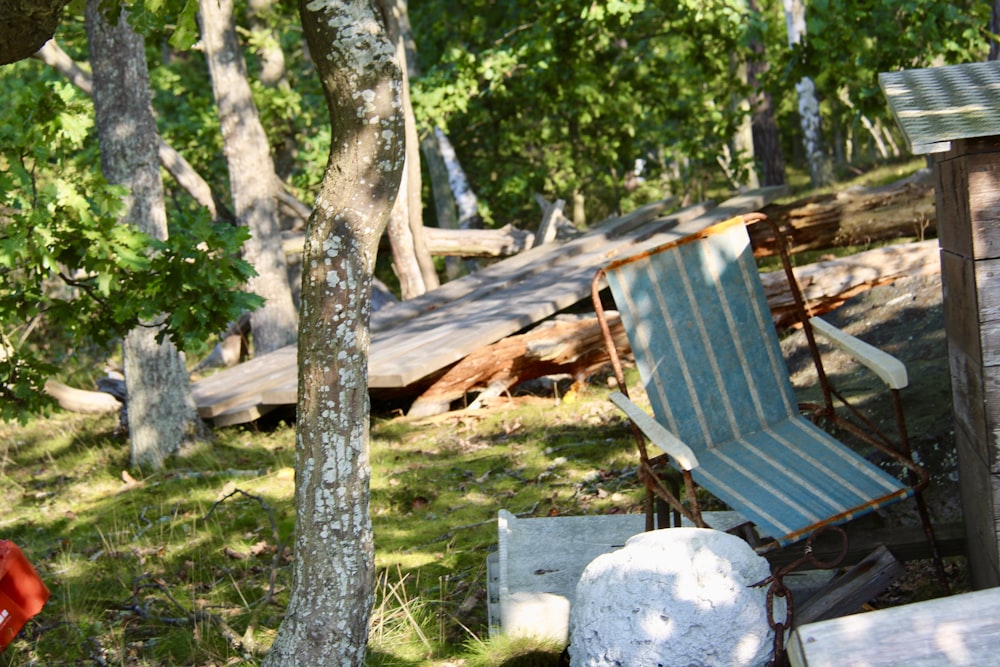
(968, 210)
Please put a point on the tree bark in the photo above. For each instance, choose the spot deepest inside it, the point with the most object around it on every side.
(444, 203)
(819, 167)
(857, 216)
(25, 26)
(327, 618)
(766, 142)
(190, 180)
(251, 175)
(411, 259)
(161, 412)
(414, 187)
(558, 346)
(503, 242)
(994, 53)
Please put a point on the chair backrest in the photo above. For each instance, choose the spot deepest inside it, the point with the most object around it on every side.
(702, 335)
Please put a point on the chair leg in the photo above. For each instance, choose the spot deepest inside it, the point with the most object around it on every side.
(650, 515)
(663, 514)
(925, 516)
(925, 519)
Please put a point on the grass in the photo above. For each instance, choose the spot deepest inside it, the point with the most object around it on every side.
(190, 565)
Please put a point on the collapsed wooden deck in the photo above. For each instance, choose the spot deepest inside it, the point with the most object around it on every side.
(417, 339)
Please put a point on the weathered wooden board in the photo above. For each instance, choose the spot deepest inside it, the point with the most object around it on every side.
(417, 338)
(849, 591)
(242, 386)
(866, 534)
(958, 630)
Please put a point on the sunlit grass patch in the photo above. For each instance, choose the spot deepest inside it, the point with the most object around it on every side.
(191, 564)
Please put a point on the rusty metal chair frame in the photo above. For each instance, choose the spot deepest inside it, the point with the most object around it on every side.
(650, 468)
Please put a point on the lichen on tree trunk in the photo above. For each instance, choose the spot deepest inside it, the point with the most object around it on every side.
(161, 411)
(330, 604)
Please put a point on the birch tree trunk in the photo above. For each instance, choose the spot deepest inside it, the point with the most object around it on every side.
(819, 166)
(251, 176)
(328, 612)
(743, 140)
(161, 412)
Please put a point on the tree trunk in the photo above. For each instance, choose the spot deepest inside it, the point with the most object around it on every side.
(995, 29)
(414, 187)
(819, 167)
(465, 199)
(272, 58)
(743, 142)
(327, 618)
(411, 259)
(444, 202)
(25, 26)
(161, 412)
(251, 176)
(52, 55)
(766, 143)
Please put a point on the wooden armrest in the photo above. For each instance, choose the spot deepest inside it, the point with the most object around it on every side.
(659, 436)
(889, 368)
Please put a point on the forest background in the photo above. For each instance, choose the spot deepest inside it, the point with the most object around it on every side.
(603, 105)
(606, 106)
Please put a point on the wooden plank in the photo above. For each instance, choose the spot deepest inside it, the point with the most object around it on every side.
(481, 314)
(243, 383)
(952, 204)
(849, 591)
(242, 414)
(987, 279)
(983, 172)
(414, 339)
(977, 484)
(516, 268)
(957, 630)
(273, 378)
(400, 358)
(866, 534)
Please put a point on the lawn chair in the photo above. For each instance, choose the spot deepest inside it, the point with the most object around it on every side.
(724, 412)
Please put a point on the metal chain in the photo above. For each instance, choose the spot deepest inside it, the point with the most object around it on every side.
(777, 589)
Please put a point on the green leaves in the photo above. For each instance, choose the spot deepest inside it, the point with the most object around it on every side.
(72, 275)
(562, 97)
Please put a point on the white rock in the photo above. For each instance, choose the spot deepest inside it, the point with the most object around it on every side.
(678, 597)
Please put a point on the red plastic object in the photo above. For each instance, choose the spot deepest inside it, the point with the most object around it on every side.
(22, 593)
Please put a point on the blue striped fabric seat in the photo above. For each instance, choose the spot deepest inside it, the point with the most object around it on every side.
(708, 355)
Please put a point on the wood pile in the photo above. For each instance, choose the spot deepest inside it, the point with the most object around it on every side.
(856, 216)
(574, 346)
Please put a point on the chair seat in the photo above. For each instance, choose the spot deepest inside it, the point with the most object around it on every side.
(793, 478)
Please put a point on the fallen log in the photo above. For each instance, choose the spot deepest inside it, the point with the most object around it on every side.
(828, 284)
(573, 346)
(81, 400)
(852, 217)
(503, 242)
(577, 348)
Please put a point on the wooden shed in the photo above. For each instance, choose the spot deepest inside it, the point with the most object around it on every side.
(952, 113)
